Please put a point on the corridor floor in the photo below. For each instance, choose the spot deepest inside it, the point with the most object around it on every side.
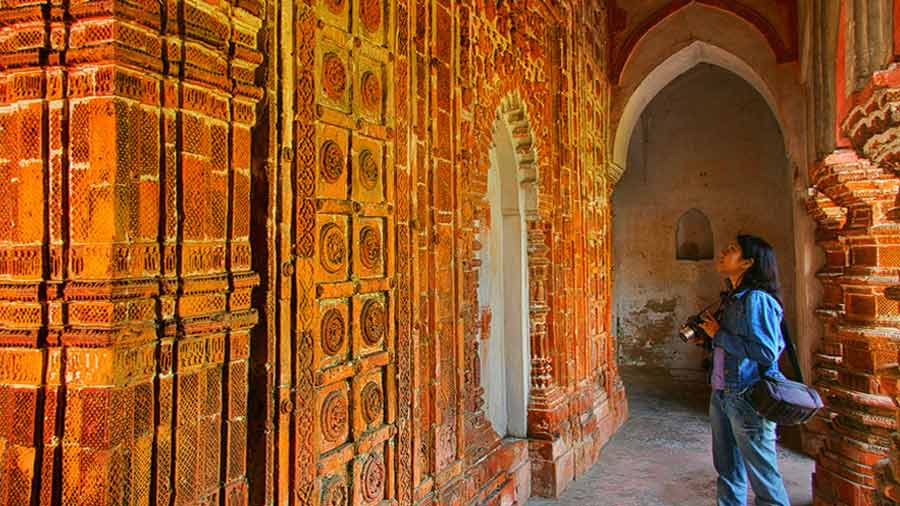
(662, 455)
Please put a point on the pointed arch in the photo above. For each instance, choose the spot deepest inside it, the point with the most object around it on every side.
(678, 63)
(512, 114)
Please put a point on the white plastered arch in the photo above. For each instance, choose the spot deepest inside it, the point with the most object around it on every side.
(503, 272)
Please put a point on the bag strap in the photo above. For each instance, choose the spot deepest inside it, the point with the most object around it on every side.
(788, 343)
(792, 352)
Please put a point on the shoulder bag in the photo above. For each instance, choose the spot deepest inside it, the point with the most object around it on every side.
(781, 400)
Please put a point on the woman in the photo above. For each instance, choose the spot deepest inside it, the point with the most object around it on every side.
(746, 342)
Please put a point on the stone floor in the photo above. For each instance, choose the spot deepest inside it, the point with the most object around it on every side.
(662, 455)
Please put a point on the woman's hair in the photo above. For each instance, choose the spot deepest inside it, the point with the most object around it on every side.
(763, 274)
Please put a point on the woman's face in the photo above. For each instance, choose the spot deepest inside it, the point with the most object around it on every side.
(730, 261)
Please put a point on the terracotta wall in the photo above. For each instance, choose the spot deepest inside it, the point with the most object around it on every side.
(239, 246)
(854, 200)
(124, 250)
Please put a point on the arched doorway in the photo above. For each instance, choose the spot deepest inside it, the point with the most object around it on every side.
(708, 150)
(503, 290)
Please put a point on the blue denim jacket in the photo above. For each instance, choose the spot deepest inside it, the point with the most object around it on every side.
(750, 333)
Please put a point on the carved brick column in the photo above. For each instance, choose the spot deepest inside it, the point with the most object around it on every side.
(543, 388)
(79, 253)
(615, 385)
(830, 218)
(124, 256)
(552, 463)
(29, 275)
(859, 341)
(874, 128)
(481, 438)
(209, 108)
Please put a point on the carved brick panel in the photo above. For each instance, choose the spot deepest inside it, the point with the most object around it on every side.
(853, 204)
(147, 145)
(124, 252)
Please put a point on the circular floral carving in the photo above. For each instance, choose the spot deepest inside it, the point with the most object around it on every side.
(334, 76)
(371, 91)
(335, 494)
(332, 331)
(373, 479)
(372, 402)
(368, 170)
(333, 250)
(332, 161)
(370, 247)
(335, 6)
(370, 13)
(334, 417)
(372, 321)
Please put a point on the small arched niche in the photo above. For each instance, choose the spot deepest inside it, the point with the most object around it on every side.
(693, 237)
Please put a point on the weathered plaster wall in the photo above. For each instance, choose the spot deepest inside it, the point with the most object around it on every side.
(707, 141)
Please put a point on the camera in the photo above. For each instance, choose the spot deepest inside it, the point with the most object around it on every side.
(692, 329)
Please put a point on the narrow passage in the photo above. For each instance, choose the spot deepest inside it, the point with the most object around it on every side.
(662, 455)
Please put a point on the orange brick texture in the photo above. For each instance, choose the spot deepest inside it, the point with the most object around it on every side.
(125, 277)
(239, 247)
(855, 206)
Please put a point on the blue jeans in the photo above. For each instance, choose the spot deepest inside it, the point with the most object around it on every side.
(744, 445)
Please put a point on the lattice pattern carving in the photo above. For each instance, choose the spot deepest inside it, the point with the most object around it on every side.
(143, 138)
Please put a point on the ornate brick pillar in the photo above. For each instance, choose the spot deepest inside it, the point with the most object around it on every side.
(874, 129)
(830, 218)
(859, 341)
(552, 461)
(124, 255)
(615, 384)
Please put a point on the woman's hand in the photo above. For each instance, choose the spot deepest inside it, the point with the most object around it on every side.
(710, 325)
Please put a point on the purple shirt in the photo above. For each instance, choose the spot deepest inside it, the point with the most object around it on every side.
(718, 370)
